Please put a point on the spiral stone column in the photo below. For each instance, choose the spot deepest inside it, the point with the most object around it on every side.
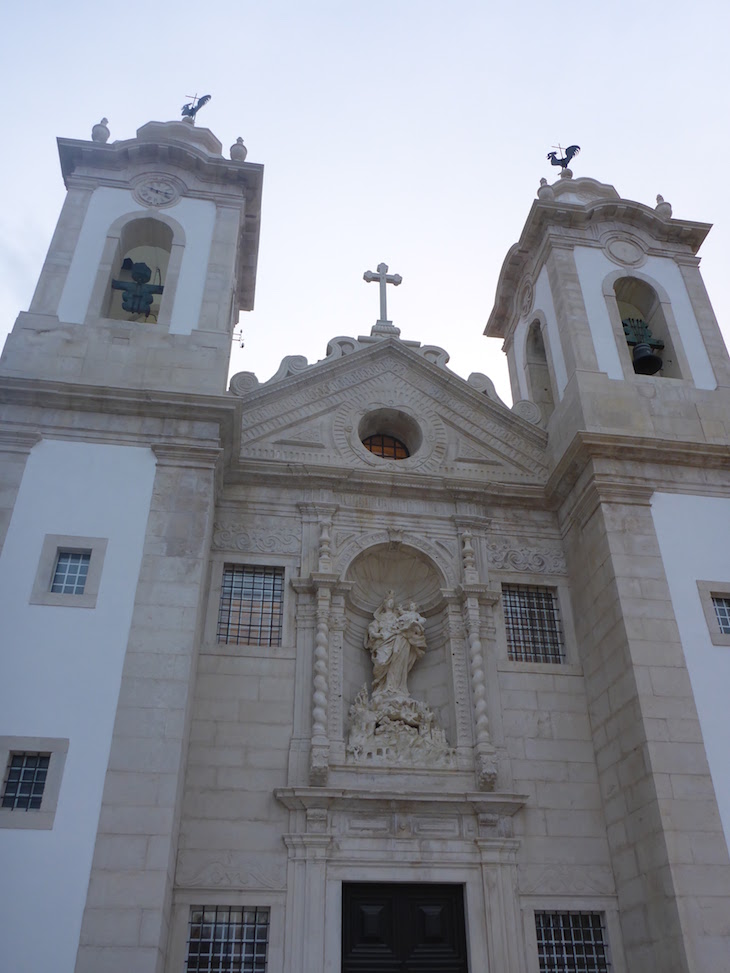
(474, 595)
(319, 758)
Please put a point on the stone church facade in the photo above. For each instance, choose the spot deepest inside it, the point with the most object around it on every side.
(358, 669)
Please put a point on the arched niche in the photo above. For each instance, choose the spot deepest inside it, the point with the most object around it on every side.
(636, 295)
(412, 576)
(540, 384)
(157, 241)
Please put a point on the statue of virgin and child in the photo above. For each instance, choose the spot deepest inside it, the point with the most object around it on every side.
(396, 639)
(390, 727)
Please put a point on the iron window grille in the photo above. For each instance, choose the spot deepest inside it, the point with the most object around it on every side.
(70, 572)
(572, 942)
(386, 446)
(25, 781)
(532, 623)
(227, 939)
(251, 605)
(722, 611)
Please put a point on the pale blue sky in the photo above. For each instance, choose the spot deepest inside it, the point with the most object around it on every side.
(408, 132)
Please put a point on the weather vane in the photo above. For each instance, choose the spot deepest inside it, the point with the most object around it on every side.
(194, 105)
(564, 160)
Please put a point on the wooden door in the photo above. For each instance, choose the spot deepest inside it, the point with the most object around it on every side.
(398, 928)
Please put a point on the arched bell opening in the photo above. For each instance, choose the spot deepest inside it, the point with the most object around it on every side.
(646, 329)
(413, 578)
(141, 261)
(539, 381)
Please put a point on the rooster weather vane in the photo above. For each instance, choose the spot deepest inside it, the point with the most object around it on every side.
(563, 161)
(194, 105)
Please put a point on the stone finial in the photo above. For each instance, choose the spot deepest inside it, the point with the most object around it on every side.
(100, 132)
(663, 209)
(239, 150)
(566, 174)
(545, 192)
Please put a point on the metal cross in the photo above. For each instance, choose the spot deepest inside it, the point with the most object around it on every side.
(384, 278)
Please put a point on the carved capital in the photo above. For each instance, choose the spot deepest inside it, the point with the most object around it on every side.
(196, 457)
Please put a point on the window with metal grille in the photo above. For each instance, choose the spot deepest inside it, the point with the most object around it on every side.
(227, 939)
(25, 781)
(70, 572)
(251, 606)
(386, 446)
(572, 942)
(532, 623)
(722, 610)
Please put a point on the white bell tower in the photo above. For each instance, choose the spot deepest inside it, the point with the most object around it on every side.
(590, 269)
(166, 201)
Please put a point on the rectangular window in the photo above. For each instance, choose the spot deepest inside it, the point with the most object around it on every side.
(227, 939)
(25, 781)
(572, 942)
(721, 604)
(251, 606)
(532, 623)
(70, 573)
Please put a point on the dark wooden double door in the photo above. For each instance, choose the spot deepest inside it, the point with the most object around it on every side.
(398, 928)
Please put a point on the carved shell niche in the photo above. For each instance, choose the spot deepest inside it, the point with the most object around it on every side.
(402, 569)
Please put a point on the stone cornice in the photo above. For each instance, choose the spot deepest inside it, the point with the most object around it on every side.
(194, 457)
(418, 485)
(437, 801)
(564, 219)
(638, 451)
(18, 441)
(80, 154)
(223, 411)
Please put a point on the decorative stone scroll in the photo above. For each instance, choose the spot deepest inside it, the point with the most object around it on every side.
(506, 556)
(266, 540)
(390, 728)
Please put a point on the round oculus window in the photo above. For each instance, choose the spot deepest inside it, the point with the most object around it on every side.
(390, 434)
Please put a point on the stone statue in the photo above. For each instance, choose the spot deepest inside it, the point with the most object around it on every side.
(391, 728)
(396, 639)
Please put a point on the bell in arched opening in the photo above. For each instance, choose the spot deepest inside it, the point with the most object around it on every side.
(639, 336)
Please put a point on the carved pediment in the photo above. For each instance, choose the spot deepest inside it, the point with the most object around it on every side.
(315, 417)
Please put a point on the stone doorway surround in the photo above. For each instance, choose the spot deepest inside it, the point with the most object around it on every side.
(354, 835)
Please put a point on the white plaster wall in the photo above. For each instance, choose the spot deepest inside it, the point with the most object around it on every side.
(196, 216)
(694, 539)
(594, 266)
(60, 672)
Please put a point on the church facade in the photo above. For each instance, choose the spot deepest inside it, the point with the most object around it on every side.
(359, 670)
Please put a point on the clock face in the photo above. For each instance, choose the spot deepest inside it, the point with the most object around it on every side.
(157, 192)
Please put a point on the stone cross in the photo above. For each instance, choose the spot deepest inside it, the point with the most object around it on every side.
(384, 279)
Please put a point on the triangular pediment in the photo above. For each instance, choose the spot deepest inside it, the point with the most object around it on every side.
(316, 416)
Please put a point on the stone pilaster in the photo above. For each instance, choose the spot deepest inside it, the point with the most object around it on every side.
(666, 843)
(575, 334)
(127, 910)
(15, 448)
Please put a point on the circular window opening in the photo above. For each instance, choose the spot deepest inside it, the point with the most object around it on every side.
(386, 446)
(390, 434)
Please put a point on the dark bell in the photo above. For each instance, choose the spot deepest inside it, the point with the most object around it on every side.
(645, 361)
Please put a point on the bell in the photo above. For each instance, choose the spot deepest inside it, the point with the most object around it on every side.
(645, 361)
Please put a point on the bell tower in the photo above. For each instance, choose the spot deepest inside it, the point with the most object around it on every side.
(609, 331)
(601, 305)
(153, 257)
